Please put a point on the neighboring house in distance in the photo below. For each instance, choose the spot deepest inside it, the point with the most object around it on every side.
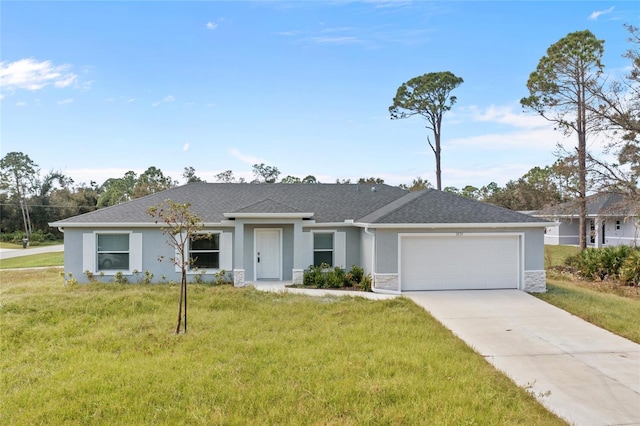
(612, 220)
(426, 240)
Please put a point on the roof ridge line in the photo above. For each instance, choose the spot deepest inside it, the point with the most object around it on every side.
(387, 209)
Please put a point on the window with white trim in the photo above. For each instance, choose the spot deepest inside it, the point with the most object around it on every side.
(323, 248)
(113, 251)
(204, 251)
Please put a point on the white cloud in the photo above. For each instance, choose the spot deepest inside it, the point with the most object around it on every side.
(288, 33)
(539, 140)
(186, 147)
(21, 104)
(531, 132)
(595, 15)
(505, 128)
(501, 114)
(65, 101)
(248, 159)
(211, 25)
(30, 74)
(131, 100)
(333, 40)
(166, 99)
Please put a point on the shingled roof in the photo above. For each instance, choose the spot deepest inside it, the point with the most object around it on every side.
(433, 206)
(363, 203)
(601, 204)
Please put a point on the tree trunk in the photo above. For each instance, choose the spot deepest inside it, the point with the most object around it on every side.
(582, 163)
(184, 273)
(582, 190)
(24, 217)
(438, 172)
(185, 304)
(30, 229)
(437, 153)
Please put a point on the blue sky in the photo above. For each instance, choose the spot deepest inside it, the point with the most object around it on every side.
(98, 88)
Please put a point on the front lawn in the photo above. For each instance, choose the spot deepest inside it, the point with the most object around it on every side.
(596, 304)
(556, 255)
(34, 260)
(607, 304)
(9, 245)
(106, 354)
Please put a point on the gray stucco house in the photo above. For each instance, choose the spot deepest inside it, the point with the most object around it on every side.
(426, 240)
(612, 220)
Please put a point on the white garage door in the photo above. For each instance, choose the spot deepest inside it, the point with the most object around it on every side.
(459, 262)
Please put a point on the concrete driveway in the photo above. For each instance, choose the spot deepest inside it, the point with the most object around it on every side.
(586, 375)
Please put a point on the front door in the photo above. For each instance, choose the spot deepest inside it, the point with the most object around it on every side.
(268, 254)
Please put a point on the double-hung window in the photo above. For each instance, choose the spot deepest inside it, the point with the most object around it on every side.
(323, 248)
(113, 251)
(204, 252)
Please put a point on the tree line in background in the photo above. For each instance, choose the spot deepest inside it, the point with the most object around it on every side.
(30, 200)
(568, 88)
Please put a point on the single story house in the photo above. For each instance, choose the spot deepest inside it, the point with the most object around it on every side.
(612, 220)
(425, 240)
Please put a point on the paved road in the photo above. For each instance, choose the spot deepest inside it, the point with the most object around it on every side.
(9, 253)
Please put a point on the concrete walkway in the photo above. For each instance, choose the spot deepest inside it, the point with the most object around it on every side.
(584, 374)
(9, 253)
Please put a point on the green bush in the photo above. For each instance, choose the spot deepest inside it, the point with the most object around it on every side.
(355, 275)
(365, 283)
(324, 277)
(119, 278)
(314, 276)
(630, 270)
(16, 237)
(335, 278)
(601, 263)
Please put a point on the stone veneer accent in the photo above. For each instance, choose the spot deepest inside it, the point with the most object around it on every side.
(386, 282)
(238, 278)
(535, 281)
(296, 276)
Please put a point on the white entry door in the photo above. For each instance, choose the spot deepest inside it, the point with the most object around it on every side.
(268, 254)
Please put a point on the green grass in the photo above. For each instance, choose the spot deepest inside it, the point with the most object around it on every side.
(556, 255)
(8, 245)
(33, 261)
(609, 305)
(612, 312)
(106, 354)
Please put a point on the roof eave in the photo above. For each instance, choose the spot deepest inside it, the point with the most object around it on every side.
(126, 224)
(456, 225)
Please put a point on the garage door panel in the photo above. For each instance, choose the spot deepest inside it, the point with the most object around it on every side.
(459, 262)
